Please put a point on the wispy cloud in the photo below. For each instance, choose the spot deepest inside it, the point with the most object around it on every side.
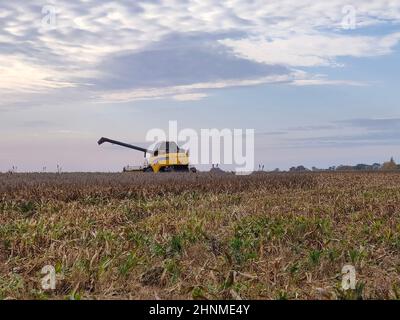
(315, 81)
(122, 96)
(303, 50)
(383, 124)
(190, 97)
(345, 133)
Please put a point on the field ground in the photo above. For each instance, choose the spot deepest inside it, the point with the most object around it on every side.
(198, 236)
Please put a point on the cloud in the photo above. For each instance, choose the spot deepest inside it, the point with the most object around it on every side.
(311, 50)
(313, 127)
(272, 133)
(38, 124)
(20, 75)
(350, 140)
(345, 133)
(189, 97)
(103, 47)
(165, 65)
(315, 81)
(388, 124)
(122, 96)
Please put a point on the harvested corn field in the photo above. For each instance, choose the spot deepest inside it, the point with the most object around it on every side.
(200, 236)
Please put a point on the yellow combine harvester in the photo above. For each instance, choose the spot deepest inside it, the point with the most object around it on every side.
(166, 156)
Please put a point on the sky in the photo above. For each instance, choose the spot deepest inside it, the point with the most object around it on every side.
(318, 81)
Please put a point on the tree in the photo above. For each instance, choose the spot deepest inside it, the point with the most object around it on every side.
(298, 169)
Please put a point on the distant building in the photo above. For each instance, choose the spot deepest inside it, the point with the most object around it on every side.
(389, 166)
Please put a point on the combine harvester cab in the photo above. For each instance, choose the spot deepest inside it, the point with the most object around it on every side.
(166, 157)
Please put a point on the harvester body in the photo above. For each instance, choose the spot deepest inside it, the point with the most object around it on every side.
(166, 156)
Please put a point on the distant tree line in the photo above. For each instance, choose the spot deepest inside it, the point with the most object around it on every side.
(387, 166)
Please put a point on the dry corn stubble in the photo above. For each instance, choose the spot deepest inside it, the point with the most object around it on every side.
(199, 236)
